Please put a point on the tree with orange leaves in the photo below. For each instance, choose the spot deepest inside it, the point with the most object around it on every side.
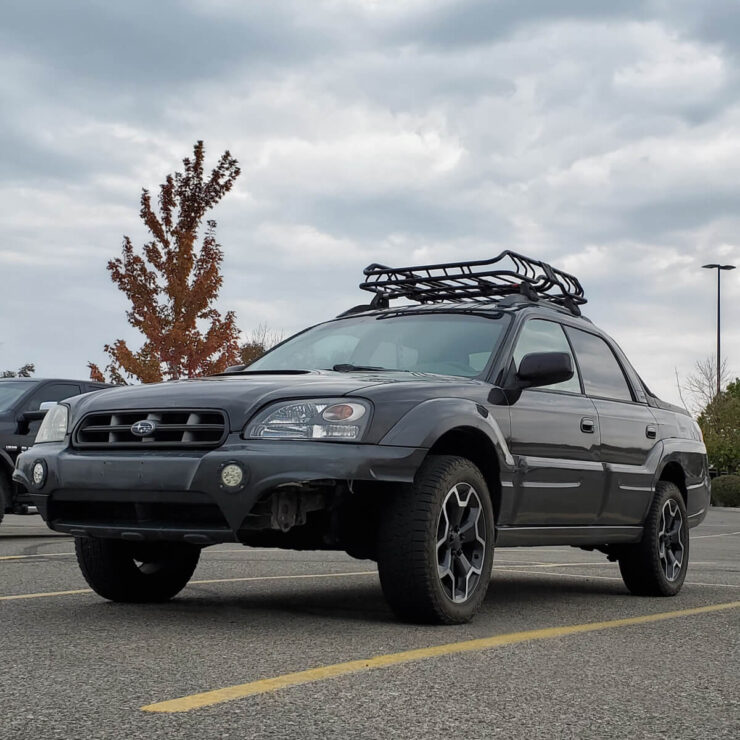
(173, 285)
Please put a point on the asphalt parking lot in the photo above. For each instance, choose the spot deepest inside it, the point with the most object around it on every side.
(298, 636)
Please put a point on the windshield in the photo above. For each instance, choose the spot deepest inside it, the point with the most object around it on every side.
(447, 344)
(10, 392)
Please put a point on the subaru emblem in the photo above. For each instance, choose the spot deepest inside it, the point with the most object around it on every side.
(144, 428)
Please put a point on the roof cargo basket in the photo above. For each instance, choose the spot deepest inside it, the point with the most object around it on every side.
(475, 282)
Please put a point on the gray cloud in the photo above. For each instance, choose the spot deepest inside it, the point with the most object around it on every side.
(602, 136)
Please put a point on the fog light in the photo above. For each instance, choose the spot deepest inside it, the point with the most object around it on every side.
(39, 474)
(232, 475)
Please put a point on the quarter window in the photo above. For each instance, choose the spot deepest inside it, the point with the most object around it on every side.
(601, 372)
(539, 335)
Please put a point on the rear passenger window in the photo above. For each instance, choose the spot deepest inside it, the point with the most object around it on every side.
(601, 372)
(51, 392)
(539, 335)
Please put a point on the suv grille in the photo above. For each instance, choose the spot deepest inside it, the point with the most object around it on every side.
(171, 428)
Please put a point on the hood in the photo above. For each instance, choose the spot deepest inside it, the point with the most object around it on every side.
(240, 395)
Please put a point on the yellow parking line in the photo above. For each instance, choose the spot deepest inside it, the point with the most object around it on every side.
(601, 578)
(291, 577)
(41, 595)
(45, 594)
(42, 555)
(707, 536)
(268, 685)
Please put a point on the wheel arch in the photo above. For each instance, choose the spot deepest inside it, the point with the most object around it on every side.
(672, 472)
(476, 446)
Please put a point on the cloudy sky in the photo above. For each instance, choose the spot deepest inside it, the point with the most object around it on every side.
(603, 137)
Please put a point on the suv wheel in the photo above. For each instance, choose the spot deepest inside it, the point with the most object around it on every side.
(136, 572)
(657, 565)
(435, 546)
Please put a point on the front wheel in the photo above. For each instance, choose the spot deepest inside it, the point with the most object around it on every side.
(657, 565)
(136, 572)
(435, 545)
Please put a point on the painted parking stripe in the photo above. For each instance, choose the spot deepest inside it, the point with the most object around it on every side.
(603, 578)
(45, 594)
(290, 577)
(42, 555)
(707, 536)
(514, 569)
(322, 673)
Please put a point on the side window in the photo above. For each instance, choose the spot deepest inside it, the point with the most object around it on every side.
(602, 373)
(51, 392)
(539, 335)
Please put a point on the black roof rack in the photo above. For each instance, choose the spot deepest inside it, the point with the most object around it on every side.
(475, 282)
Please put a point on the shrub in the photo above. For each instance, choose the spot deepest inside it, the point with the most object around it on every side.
(726, 490)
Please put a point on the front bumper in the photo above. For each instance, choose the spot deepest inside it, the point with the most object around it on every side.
(177, 495)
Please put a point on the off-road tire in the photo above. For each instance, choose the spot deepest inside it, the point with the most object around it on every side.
(136, 572)
(408, 544)
(641, 566)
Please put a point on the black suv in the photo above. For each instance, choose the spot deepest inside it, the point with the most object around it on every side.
(486, 413)
(23, 403)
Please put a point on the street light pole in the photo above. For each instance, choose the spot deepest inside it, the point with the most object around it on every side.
(719, 269)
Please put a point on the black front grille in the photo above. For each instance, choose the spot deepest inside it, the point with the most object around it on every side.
(174, 428)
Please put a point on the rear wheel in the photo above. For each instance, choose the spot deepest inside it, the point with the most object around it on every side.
(136, 572)
(435, 546)
(657, 565)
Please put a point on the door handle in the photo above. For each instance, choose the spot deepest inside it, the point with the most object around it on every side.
(588, 425)
(651, 432)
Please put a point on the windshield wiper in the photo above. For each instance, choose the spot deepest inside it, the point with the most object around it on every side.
(348, 368)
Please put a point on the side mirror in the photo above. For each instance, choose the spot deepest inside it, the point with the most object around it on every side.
(544, 368)
(535, 369)
(25, 419)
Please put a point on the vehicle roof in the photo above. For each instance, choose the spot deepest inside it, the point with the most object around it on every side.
(56, 380)
(510, 304)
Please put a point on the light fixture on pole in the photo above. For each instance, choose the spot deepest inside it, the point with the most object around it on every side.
(719, 269)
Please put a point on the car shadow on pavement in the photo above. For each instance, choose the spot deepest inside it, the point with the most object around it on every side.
(357, 602)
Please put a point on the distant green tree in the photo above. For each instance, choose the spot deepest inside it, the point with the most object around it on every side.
(720, 425)
(26, 371)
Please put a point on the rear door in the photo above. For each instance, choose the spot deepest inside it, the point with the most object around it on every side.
(555, 434)
(628, 429)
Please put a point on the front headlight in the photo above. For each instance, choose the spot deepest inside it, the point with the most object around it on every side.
(54, 426)
(335, 419)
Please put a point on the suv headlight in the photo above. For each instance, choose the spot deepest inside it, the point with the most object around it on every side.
(54, 426)
(335, 419)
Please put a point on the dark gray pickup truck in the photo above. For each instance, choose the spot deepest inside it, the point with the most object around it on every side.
(484, 412)
(23, 404)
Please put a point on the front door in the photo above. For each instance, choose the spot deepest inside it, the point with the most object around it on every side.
(555, 437)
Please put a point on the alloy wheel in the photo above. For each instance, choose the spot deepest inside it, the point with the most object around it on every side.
(670, 545)
(461, 542)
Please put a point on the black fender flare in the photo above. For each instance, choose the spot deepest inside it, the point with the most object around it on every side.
(690, 455)
(423, 425)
